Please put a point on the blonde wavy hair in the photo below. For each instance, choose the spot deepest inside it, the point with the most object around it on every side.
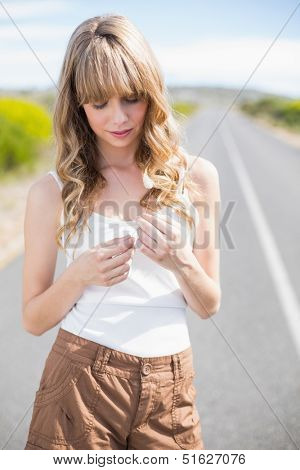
(107, 56)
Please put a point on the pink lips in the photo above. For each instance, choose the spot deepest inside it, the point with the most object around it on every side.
(123, 133)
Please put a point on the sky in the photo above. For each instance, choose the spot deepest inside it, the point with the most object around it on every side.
(202, 43)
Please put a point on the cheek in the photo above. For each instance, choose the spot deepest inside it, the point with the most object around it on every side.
(97, 121)
(140, 112)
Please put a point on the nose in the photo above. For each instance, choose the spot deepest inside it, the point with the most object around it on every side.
(119, 115)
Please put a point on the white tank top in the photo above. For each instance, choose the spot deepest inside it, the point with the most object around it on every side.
(143, 315)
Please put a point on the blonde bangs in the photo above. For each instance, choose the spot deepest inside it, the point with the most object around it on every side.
(107, 71)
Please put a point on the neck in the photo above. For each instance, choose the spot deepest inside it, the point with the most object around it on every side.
(114, 157)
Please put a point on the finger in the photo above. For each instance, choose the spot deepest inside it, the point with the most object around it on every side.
(164, 223)
(119, 270)
(108, 252)
(118, 260)
(169, 217)
(117, 279)
(147, 240)
(114, 242)
(153, 232)
(115, 250)
(148, 252)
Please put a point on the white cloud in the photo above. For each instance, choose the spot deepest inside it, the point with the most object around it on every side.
(231, 61)
(227, 62)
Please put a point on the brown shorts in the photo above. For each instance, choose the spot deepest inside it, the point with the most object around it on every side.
(94, 397)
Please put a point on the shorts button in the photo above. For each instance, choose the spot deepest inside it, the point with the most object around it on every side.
(146, 369)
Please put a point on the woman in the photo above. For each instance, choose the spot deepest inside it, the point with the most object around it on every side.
(120, 372)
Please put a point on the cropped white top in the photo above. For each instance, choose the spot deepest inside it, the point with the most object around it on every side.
(143, 315)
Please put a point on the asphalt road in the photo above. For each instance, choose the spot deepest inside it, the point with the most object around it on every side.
(247, 356)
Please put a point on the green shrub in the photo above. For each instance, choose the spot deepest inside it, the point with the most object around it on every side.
(16, 147)
(279, 110)
(290, 113)
(184, 107)
(262, 106)
(24, 128)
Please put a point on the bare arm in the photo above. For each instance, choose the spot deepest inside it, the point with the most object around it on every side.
(199, 279)
(44, 303)
(59, 298)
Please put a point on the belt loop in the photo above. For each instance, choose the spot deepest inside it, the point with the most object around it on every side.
(105, 359)
(177, 367)
(102, 357)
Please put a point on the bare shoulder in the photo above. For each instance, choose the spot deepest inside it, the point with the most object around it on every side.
(46, 186)
(45, 195)
(205, 174)
(202, 170)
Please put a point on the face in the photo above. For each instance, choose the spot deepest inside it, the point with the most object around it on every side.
(116, 115)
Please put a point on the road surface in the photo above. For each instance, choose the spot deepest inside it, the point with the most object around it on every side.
(247, 355)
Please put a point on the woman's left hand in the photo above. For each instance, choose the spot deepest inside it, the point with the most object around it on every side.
(162, 239)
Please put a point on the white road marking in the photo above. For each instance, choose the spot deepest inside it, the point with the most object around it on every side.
(277, 269)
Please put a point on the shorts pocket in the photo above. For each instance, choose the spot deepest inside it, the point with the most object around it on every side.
(59, 374)
(185, 416)
(63, 411)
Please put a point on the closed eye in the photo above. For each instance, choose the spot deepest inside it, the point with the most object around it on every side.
(129, 100)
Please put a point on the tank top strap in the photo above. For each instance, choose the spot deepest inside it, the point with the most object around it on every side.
(183, 192)
(181, 187)
(56, 177)
(54, 174)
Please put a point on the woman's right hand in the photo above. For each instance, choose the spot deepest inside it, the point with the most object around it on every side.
(105, 264)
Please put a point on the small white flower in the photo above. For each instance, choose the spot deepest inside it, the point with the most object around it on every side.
(148, 182)
(181, 174)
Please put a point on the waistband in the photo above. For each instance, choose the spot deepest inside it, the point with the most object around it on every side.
(104, 359)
